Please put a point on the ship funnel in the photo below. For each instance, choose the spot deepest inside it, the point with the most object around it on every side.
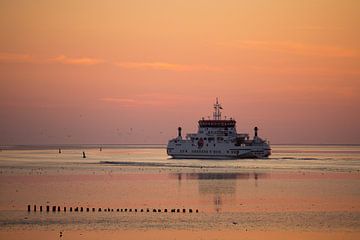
(179, 132)
(256, 131)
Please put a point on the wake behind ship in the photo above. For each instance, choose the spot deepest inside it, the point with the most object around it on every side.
(218, 139)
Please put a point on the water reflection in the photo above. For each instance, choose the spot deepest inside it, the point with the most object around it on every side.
(219, 188)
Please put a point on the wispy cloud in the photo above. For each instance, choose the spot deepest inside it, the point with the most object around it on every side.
(119, 100)
(167, 66)
(278, 70)
(138, 100)
(151, 99)
(318, 28)
(295, 48)
(76, 61)
(15, 57)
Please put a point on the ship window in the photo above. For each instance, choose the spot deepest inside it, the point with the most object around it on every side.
(214, 144)
(196, 138)
(204, 138)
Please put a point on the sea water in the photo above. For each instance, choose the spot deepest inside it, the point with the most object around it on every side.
(300, 187)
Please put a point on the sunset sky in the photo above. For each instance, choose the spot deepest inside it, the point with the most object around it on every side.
(133, 71)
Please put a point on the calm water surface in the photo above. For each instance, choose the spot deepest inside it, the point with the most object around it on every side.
(298, 187)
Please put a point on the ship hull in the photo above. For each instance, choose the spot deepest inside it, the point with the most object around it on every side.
(223, 157)
(181, 152)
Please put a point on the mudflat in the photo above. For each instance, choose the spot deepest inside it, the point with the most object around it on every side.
(299, 193)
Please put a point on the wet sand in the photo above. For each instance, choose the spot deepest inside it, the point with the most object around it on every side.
(176, 234)
(250, 199)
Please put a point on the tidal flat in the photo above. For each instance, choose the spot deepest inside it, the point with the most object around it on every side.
(300, 192)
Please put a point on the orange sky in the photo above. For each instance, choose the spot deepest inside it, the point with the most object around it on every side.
(133, 71)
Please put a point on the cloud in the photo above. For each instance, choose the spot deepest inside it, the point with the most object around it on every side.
(6, 57)
(139, 101)
(166, 66)
(288, 70)
(15, 57)
(296, 48)
(76, 61)
(152, 99)
(118, 100)
(317, 28)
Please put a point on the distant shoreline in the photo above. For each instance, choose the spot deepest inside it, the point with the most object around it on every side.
(113, 146)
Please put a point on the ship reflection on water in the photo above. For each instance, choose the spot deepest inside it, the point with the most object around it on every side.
(220, 188)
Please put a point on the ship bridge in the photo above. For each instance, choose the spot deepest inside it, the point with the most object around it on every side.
(216, 123)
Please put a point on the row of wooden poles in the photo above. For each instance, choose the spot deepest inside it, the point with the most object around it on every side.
(88, 209)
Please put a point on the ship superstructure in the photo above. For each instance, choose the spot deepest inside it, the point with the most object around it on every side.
(217, 138)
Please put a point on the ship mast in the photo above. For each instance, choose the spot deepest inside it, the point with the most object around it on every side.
(217, 113)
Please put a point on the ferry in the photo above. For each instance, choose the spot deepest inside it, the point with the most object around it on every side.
(217, 138)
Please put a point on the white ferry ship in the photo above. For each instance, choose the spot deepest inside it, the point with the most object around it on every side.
(217, 139)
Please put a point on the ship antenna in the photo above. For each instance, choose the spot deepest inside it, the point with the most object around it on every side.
(217, 112)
